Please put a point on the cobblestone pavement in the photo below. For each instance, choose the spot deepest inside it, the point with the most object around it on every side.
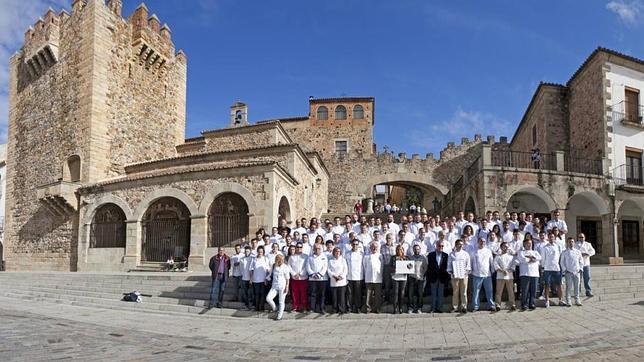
(37, 331)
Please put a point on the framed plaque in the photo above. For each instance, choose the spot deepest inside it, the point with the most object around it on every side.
(404, 267)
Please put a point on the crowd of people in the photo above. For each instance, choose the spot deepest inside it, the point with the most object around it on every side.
(357, 264)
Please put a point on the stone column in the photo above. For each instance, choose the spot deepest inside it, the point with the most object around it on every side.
(132, 256)
(198, 242)
(559, 155)
(610, 243)
(487, 155)
(369, 206)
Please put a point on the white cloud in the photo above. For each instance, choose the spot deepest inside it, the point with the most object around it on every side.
(462, 123)
(16, 16)
(629, 13)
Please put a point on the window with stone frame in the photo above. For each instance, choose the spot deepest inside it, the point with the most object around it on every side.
(358, 112)
(340, 112)
(341, 147)
(322, 113)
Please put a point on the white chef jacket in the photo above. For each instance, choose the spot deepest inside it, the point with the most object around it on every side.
(394, 228)
(482, 262)
(526, 267)
(260, 268)
(505, 262)
(423, 247)
(354, 265)
(317, 264)
(244, 264)
(571, 261)
(297, 264)
(372, 265)
(338, 267)
(559, 224)
(237, 271)
(280, 275)
(585, 248)
(459, 258)
(550, 257)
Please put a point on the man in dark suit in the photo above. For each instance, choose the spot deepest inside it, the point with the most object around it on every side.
(437, 275)
(219, 266)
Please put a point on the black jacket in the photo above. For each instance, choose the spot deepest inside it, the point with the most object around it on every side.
(437, 272)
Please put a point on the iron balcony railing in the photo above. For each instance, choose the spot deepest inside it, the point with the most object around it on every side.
(516, 159)
(628, 112)
(628, 175)
(583, 165)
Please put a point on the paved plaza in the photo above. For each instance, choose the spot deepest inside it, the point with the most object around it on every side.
(38, 331)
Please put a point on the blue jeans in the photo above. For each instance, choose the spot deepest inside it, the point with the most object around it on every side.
(437, 289)
(486, 282)
(528, 291)
(217, 289)
(586, 275)
(247, 293)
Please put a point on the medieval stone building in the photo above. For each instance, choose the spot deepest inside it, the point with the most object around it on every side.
(100, 176)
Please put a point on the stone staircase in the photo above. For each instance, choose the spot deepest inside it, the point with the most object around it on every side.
(175, 292)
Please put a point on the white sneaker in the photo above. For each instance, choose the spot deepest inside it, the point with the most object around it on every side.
(547, 304)
(279, 316)
(541, 297)
(578, 304)
(410, 311)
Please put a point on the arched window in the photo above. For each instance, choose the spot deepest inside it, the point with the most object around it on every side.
(227, 220)
(323, 113)
(358, 112)
(108, 227)
(340, 112)
(166, 231)
(73, 168)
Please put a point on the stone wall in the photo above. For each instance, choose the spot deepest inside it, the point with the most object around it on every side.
(548, 111)
(587, 110)
(225, 139)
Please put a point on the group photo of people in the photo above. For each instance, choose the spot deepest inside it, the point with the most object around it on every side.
(361, 264)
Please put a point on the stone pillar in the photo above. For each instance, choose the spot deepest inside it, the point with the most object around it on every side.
(369, 206)
(605, 166)
(487, 155)
(132, 256)
(610, 242)
(198, 242)
(559, 155)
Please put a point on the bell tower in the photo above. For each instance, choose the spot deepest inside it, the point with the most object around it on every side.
(238, 114)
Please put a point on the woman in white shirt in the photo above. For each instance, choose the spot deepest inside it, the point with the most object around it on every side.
(399, 280)
(337, 271)
(259, 269)
(279, 275)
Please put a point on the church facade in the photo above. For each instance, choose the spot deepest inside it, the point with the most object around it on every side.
(100, 176)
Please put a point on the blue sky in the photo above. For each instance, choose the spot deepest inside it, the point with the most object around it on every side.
(440, 70)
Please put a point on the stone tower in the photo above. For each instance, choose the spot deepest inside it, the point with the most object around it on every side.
(238, 114)
(89, 92)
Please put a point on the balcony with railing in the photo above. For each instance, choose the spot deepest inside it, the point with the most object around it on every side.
(516, 159)
(629, 113)
(627, 175)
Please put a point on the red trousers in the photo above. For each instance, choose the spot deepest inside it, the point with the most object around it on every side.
(299, 290)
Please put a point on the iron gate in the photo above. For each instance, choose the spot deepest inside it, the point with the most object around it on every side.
(227, 220)
(108, 228)
(165, 238)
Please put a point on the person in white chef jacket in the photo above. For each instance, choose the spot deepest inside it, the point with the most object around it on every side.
(459, 268)
(529, 274)
(372, 265)
(317, 267)
(571, 265)
(355, 275)
(279, 275)
(586, 249)
(338, 270)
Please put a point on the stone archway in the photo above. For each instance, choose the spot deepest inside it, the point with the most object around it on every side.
(227, 220)
(470, 206)
(284, 210)
(166, 231)
(419, 189)
(531, 200)
(630, 229)
(588, 213)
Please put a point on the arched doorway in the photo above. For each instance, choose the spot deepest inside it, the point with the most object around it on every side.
(532, 200)
(107, 229)
(629, 231)
(166, 231)
(227, 220)
(584, 215)
(469, 206)
(284, 210)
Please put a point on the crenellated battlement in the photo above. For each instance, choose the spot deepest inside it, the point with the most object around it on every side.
(152, 44)
(41, 44)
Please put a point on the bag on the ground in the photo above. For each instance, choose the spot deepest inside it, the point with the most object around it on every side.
(134, 296)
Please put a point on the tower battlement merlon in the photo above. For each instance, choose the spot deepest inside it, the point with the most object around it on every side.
(43, 34)
(151, 41)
